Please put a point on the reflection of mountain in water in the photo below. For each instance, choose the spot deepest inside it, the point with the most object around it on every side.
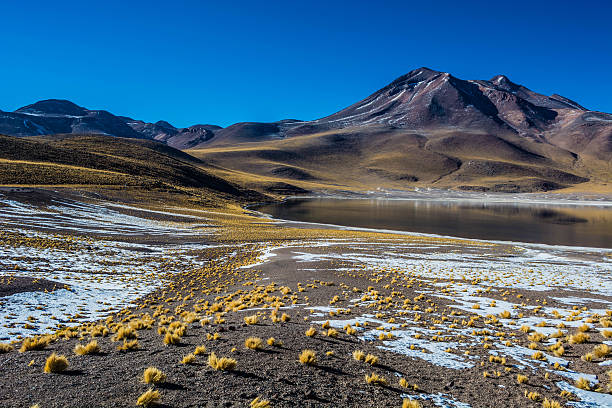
(555, 217)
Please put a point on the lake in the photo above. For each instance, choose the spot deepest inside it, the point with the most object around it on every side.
(587, 226)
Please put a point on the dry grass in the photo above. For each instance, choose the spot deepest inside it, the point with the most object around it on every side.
(521, 379)
(359, 355)
(199, 350)
(253, 343)
(583, 384)
(311, 332)
(222, 364)
(90, 348)
(550, 404)
(308, 357)
(153, 375)
(250, 320)
(407, 403)
(375, 379)
(56, 364)
(188, 359)
(131, 345)
(149, 398)
(260, 403)
(371, 359)
(34, 343)
(5, 348)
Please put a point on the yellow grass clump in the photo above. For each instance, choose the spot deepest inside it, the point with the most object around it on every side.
(5, 348)
(253, 343)
(371, 359)
(359, 355)
(90, 348)
(375, 379)
(602, 350)
(332, 332)
(579, 338)
(222, 364)
(34, 343)
(251, 319)
(188, 359)
(56, 364)
(153, 375)
(583, 384)
(411, 403)
(129, 345)
(273, 342)
(521, 379)
(150, 397)
(199, 350)
(311, 332)
(171, 338)
(308, 357)
(260, 403)
(550, 403)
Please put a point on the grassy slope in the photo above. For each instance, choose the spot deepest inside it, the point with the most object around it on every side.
(367, 159)
(107, 161)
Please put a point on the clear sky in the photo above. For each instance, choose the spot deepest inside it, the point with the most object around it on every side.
(223, 62)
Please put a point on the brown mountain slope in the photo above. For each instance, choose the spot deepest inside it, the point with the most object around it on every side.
(98, 160)
(428, 128)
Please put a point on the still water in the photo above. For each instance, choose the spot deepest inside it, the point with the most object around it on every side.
(587, 226)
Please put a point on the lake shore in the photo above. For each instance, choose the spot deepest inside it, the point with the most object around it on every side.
(439, 312)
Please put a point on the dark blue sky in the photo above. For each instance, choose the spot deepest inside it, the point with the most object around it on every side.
(228, 61)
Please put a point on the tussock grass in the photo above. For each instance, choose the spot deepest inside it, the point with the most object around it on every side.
(5, 348)
(56, 364)
(332, 332)
(602, 350)
(131, 345)
(550, 404)
(371, 359)
(199, 350)
(188, 359)
(583, 384)
(407, 403)
(521, 379)
(375, 379)
(311, 332)
(149, 398)
(171, 338)
(359, 355)
(90, 348)
(153, 375)
(221, 364)
(579, 338)
(253, 343)
(34, 343)
(250, 320)
(308, 357)
(260, 403)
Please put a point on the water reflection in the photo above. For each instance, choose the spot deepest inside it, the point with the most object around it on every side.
(551, 224)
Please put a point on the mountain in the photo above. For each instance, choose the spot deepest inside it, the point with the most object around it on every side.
(426, 128)
(56, 116)
(429, 128)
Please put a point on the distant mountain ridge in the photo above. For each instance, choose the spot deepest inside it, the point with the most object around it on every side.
(426, 127)
(58, 116)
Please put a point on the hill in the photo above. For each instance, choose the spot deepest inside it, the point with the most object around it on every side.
(100, 160)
